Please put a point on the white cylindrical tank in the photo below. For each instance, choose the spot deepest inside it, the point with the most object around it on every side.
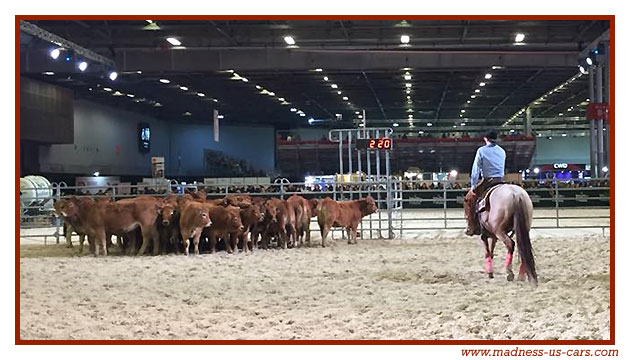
(34, 190)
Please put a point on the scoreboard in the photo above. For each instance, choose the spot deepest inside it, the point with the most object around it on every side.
(374, 144)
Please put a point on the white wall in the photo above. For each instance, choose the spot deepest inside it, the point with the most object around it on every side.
(570, 150)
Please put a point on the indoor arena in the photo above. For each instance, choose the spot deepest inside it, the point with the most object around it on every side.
(189, 179)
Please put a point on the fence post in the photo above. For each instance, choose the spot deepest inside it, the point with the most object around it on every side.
(281, 191)
(557, 205)
(445, 211)
(57, 219)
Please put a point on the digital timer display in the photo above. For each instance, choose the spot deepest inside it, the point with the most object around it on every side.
(374, 144)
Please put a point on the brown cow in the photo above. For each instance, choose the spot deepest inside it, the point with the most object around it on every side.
(303, 213)
(226, 224)
(346, 214)
(69, 212)
(251, 215)
(194, 217)
(280, 221)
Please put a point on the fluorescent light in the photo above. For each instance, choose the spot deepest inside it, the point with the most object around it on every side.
(183, 88)
(280, 99)
(407, 77)
(605, 169)
(357, 112)
(201, 94)
(477, 90)
(54, 53)
(113, 75)
(165, 81)
(49, 73)
(149, 21)
(360, 116)
(404, 39)
(293, 109)
(468, 102)
(131, 95)
(395, 124)
(482, 84)
(496, 67)
(258, 87)
(173, 41)
(302, 114)
(410, 116)
(83, 65)
(271, 93)
(582, 69)
(319, 70)
(290, 41)
(325, 78)
(96, 173)
(244, 80)
(344, 98)
(338, 92)
(408, 91)
(488, 75)
(311, 120)
(408, 85)
(463, 111)
(334, 86)
(220, 117)
(519, 37)
(215, 100)
(453, 173)
(429, 124)
(463, 124)
(107, 89)
(589, 61)
(536, 170)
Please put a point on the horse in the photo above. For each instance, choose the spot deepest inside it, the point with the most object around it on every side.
(510, 212)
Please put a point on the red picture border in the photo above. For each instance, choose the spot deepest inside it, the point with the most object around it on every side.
(610, 18)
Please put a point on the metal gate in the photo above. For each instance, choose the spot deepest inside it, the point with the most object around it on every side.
(369, 179)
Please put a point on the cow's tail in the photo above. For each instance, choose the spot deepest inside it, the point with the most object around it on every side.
(523, 242)
(321, 214)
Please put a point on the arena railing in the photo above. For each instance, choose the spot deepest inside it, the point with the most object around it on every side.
(407, 201)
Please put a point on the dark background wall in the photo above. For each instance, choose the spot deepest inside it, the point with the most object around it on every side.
(105, 140)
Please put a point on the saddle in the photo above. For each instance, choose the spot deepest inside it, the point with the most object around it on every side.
(483, 204)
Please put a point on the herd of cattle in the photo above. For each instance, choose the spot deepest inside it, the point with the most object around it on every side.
(236, 221)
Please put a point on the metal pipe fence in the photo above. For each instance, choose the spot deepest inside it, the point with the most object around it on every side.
(404, 205)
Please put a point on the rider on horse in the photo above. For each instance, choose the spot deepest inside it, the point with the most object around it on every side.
(489, 164)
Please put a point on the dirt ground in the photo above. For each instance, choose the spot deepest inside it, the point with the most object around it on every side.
(429, 285)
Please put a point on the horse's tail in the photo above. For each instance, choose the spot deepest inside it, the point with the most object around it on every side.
(522, 240)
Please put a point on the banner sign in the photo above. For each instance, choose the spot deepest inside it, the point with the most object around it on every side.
(597, 111)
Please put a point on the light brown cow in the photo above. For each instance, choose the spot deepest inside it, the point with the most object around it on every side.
(280, 221)
(194, 217)
(68, 210)
(346, 214)
(226, 224)
(303, 212)
(251, 215)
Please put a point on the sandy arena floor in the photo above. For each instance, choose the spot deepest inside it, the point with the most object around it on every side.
(428, 286)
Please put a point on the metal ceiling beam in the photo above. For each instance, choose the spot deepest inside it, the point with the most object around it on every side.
(58, 40)
(205, 60)
(378, 101)
(513, 92)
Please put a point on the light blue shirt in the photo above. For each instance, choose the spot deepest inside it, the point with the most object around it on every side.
(489, 162)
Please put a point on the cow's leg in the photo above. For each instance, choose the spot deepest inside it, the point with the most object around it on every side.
(92, 245)
(185, 240)
(349, 231)
(243, 238)
(100, 243)
(212, 239)
(196, 237)
(67, 232)
(228, 243)
(109, 242)
(284, 237)
(81, 241)
(307, 229)
(156, 241)
(147, 234)
(324, 229)
(131, 242)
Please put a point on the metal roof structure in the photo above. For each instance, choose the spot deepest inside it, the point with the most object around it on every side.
(455, 75)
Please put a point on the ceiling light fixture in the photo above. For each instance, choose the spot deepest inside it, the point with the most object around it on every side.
(291, 41)
(488, 75)
(173, 41)
(519, 37)
(165, 81)
(404, 39)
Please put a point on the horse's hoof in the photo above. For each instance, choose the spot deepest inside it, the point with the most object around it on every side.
(510, 277)
(491, 276)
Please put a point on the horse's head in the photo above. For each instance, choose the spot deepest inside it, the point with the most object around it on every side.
(469, 207)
